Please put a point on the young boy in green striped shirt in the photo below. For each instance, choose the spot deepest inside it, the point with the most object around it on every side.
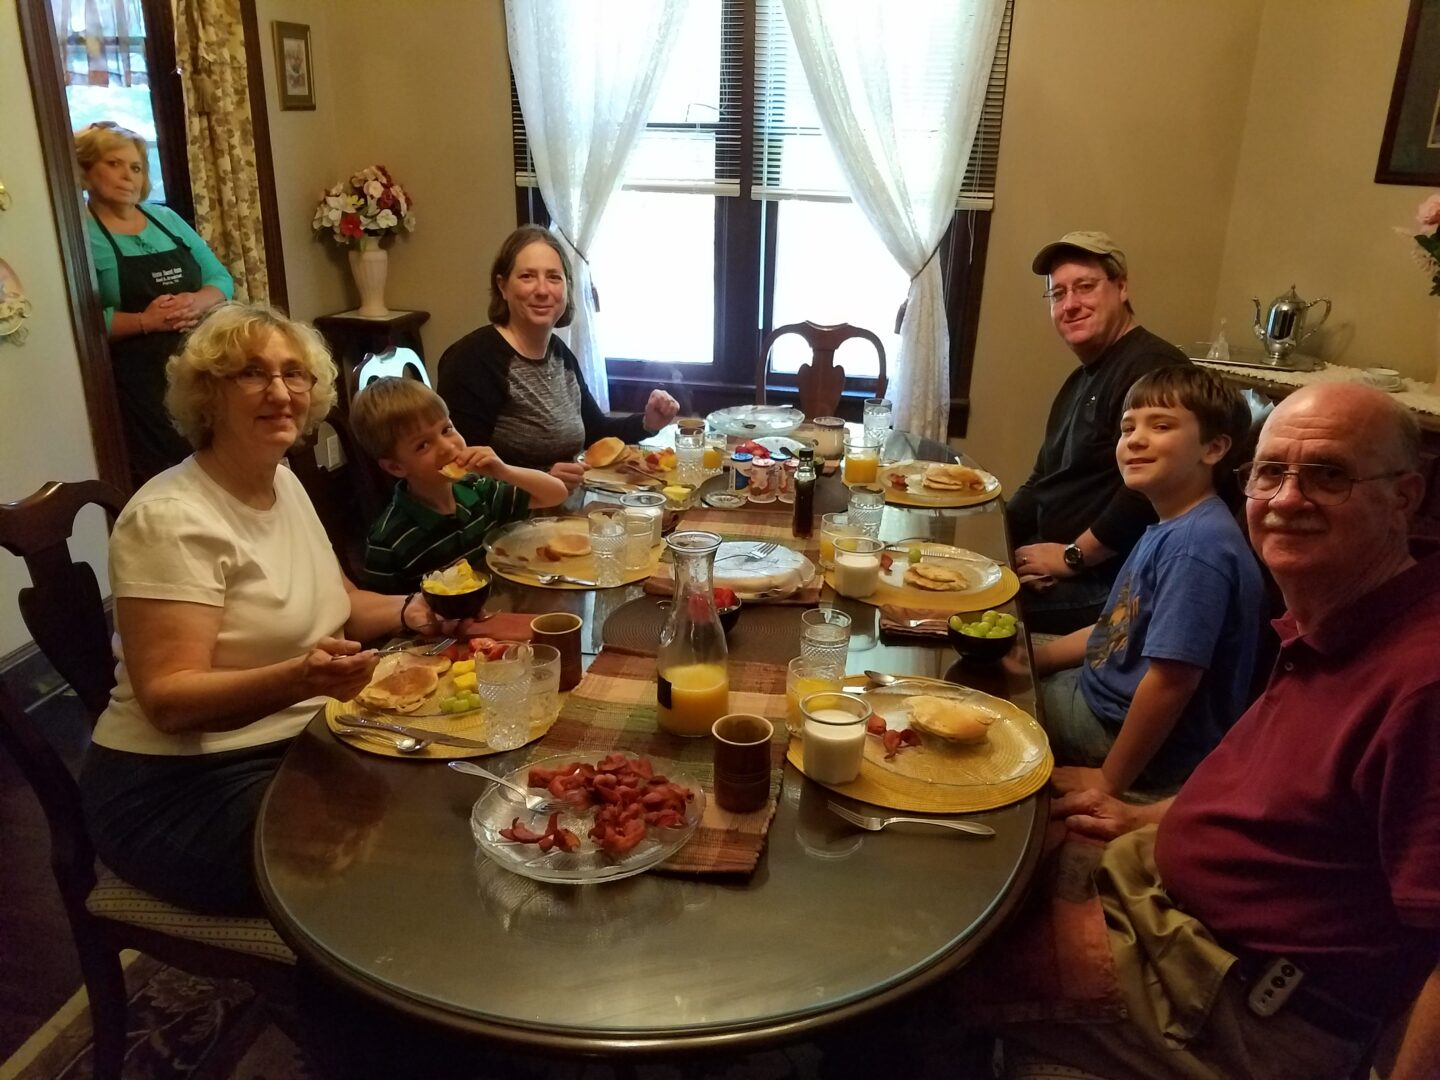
(432, 519)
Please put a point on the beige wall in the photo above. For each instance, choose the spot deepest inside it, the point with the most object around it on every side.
(1307, 210)
(1121, 115)
(441, 123)
(44, 432)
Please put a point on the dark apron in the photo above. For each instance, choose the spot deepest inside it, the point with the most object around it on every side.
(139, 362)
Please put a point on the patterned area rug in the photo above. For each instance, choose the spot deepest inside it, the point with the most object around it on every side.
(181, 1026)
(184, 1027)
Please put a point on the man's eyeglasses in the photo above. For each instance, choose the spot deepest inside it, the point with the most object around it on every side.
(256, 380)
(1323, 485)
(1081, 289)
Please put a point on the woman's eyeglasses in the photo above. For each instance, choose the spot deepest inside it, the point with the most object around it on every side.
(256, 380)
(1323, 485)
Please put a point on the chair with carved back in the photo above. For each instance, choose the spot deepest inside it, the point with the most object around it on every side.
(820, 383)
(399, 363)
(63, 611)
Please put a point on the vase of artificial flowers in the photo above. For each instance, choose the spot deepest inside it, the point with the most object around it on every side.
(1428, 217)
(360, 213)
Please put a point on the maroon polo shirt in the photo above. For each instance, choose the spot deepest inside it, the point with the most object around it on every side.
(1313, 829)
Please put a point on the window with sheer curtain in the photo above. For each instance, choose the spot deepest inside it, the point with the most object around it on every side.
(734, 218)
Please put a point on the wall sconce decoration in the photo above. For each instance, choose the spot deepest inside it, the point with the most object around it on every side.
(4, 197)
(14, 307)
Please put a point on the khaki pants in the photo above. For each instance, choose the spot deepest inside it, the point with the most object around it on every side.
(1186, 1016)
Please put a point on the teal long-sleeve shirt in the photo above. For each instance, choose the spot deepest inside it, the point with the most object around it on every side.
(151, 239)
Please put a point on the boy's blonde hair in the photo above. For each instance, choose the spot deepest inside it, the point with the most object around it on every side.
(389, 409)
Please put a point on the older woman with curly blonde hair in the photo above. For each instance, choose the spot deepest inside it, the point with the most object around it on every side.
(234, 621)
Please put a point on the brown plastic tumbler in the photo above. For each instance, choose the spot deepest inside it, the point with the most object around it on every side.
(562, 630)
(741, 742)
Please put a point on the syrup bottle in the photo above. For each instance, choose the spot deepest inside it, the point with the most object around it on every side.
(803, 523)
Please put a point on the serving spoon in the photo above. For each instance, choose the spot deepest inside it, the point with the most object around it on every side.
(879, 678)
(532, 801)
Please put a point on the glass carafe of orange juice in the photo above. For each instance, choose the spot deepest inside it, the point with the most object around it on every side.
(693, 684)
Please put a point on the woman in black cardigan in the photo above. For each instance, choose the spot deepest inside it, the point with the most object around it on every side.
(515, 386)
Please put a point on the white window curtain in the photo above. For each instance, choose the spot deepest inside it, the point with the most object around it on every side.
(899, 88)
(586, 78)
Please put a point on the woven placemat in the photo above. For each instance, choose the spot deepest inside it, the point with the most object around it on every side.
(765, 633)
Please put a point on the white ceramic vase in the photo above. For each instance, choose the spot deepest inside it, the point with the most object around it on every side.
(369, 267)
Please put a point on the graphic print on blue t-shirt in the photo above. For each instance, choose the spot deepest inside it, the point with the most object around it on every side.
(1190, 591)
(1114, 626)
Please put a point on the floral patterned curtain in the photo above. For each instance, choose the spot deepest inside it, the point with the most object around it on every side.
(210, 49)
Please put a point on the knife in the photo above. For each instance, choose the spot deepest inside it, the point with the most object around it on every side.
(516, 568)
(350, 720)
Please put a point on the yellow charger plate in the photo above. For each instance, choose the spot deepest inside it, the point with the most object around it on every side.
(519, 542)
(917, 496)
(945, 603)
(1014, 763)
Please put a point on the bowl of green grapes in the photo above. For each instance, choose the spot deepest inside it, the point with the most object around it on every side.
(982, 639)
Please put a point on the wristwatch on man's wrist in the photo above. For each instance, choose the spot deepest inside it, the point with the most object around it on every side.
(1074, 557)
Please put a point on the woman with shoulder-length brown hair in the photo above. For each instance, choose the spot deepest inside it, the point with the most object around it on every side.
(233, 619)
(157, 277)
(515, 386)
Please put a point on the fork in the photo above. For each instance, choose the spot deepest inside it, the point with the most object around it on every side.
(408, 646)
(755, 553)
(534, 803)
(874, 823)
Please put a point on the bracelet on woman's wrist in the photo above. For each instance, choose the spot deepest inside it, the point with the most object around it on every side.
(403, 607)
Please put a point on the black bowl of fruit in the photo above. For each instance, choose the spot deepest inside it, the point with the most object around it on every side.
(727, 606)
(456, 592)
(982, 639)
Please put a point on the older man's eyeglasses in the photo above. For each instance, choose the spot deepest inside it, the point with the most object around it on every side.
(1323, 485)
(1080, 289)
(256, 380)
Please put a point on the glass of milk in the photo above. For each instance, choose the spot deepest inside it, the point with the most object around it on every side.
(857, 565)
(834, 736)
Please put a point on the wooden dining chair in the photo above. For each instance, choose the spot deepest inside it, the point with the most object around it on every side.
(819, 383)
(63, 611)
(400, 363)
(346, 488)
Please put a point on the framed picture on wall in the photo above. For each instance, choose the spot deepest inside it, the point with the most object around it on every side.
(294, 72)
(1410, 149)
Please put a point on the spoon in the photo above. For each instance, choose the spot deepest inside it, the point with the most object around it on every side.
(532, 802)
(879, 678)
(405, 744)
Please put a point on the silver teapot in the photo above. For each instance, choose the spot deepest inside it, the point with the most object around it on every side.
(1283, 328)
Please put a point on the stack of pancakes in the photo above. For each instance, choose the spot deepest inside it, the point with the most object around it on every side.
(953, 478)
(402, 682)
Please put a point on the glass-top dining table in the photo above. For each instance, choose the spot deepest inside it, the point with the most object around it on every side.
(370, 872)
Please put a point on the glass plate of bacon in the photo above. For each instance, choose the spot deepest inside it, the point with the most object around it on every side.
(619, 815)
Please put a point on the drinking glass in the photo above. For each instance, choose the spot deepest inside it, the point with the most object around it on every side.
(715, 453)
(834, 736)
(862, 458)
(504, 687)
(825, 636)
(544, 703)
(831, 526)
(638, 533)
(857, 566)
(805, 677)
(878, 418)
(650, 503)
(867, 508)
(690, 452)
(607, 539)
(829, 437)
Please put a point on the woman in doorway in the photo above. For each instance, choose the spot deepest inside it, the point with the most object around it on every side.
(514, 386)
(156, 277)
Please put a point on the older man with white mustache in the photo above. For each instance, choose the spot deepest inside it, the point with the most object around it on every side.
(1280, 910)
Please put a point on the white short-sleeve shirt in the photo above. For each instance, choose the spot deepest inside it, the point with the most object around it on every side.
(273, 572)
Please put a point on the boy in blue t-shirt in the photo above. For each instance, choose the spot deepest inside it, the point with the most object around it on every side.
(449, 495)
(1138, 699)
